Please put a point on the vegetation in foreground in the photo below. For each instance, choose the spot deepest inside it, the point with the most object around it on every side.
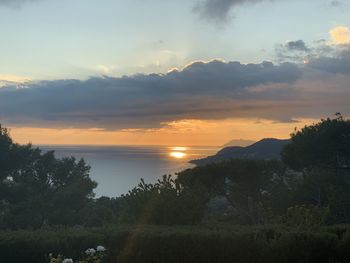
(204, 243)
(302, 196)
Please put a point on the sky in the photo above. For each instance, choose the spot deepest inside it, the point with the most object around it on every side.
(161, 72)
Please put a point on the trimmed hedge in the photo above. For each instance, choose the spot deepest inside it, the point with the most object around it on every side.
(215, 243)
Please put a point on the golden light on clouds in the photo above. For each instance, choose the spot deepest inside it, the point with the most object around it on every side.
(183, 132)
(340, 35)
(12, 78)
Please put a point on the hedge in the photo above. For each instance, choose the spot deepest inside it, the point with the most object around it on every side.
(212, 243)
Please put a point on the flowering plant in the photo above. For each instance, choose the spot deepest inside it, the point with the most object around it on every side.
(91, 255)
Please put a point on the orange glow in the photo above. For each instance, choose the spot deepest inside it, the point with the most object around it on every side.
(180, 149)
(340, 35)
(182, 132)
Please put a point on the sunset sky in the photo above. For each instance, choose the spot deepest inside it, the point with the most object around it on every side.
(161, 72)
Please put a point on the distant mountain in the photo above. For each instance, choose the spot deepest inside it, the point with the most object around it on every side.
(265, 149)
(240, 142)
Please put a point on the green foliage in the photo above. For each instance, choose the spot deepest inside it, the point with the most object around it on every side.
(164, 202)
(324, 188)
(35, 245)
(251, 186)
(260, 191)
(303, 216)
(325, 144)
(90, 255)
(37, 189)
(211, 243)
(102, 211)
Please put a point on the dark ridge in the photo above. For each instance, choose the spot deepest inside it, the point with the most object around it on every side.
(266, 149)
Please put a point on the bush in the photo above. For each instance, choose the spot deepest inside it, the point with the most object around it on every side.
(304, 216)
(164, 203)
(210, 243)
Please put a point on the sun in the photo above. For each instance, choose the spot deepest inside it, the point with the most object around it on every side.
(178, 155)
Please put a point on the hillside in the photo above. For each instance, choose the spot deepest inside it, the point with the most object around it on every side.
(268, 148)
(239, 142)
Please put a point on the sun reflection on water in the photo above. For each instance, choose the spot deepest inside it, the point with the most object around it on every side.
(178, 152)
(179, 149)
(178, 155)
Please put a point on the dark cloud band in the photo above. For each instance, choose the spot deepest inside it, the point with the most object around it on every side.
(200, 90)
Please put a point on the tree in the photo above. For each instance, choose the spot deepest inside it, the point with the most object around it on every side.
(322, 152)
(325, 144)
(36, 188)
(248, 185)
(165, 202)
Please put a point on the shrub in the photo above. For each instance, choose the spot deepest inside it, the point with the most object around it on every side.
(210, 243)
(303, 216)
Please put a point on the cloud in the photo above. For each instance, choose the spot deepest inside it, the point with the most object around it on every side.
(293, 51)
(322, 57)
(337, 65)
(7, 80)
(340, 35)
(15, 3)
(329, 56)
(200, 90)
(218, 10)
(336, 3)
(313, 84)
(298, 45)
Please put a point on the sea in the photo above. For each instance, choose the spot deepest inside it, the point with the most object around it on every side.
(118, 169)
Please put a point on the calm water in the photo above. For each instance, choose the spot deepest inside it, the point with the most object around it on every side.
(117, 169)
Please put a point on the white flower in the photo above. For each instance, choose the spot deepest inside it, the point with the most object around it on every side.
(67, 260)
(263, 192)
(100, 248)
(90, 251)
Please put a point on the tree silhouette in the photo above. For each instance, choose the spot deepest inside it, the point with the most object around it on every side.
(325, 144)
(36, 188)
